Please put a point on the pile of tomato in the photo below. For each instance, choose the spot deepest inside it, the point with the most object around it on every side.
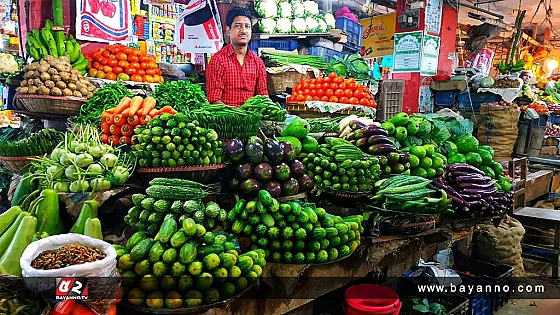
(334, 89)
(123, 63)
(540, 108)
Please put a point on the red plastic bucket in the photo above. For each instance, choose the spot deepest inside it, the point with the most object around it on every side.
(371, 299)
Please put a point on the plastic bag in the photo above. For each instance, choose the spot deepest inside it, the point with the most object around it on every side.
(103, 280)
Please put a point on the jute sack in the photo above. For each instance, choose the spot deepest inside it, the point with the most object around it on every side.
(498, 129)
(500, 245)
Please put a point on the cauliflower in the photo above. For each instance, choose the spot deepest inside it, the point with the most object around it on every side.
(266, 8)
(267, 25)
(283, 25)
(299, 25)
(298, 10)
(285, 9)
(311, 7)
(329, 19)
(322, 26)
(8, 63)
(312, 24)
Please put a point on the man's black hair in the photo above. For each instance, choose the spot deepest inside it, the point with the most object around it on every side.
(235, 12)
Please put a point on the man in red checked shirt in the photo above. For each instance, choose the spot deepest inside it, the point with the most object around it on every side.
(235, 73)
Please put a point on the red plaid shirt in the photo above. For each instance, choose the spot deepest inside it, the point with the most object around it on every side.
(231, 83)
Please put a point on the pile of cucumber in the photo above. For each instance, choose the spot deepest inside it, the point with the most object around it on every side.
(268, 109)
(294, 233)
(185, 266)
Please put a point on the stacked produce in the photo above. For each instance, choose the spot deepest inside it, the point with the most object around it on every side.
(27, 304)
(334, 89)
(174, 140)
(268, 165)
(39, 143)
(50, 42)
(103, 99)
(11, 65)
(425, 161)
(118, 124)
(507, 83)
(324, 124)
(56, 77)
(339, 165)
(279, 59)
(501, 104)
(185, 266)
(508, 68)
(473, 192)
(268, 109)
(293, 233)
(175, 198)
(118, 62)
(293, 16)
(411, 194)
(181, 95)
(539, 107)
(297, 134)
(82, 163)
(228, 121)
(352, 66)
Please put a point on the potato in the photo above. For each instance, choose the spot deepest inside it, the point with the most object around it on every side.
(56, 78)
(67, 92)
(64, 58)
(74, 78)
(84, 91)
(92, 88)
(37, 82)
(33, 90)
(65, 76)
(52, 71)
(89, 95)
(23, 83)
(56, 91)
(45, 76)
(71, 86)
(43, 68)
(48, 58)
(30, 82)
(23, 90)
(33, 66)
(44, 90)
(29, 75)
(50, 84)
(78, 94)
(61, 85)
(61, 68)
(79, 86)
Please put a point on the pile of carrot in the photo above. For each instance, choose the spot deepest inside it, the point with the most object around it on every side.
(117, 124)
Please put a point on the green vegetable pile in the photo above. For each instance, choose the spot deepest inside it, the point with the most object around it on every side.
(228, 121)
(185, 266)
(351, 66)
(324, 124)
(44, 141)
(175, 140)
(293, 233)
(104, 98)
(411, 194)
(82, 163)
(181, 95)
(338, 165)
(175, 198)
(268, 109)
(278, 59)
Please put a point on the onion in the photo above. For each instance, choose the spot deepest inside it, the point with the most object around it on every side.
(55, 171)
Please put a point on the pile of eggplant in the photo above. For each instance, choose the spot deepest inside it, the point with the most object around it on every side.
(374, 140)
(270, 165)
(473, 193)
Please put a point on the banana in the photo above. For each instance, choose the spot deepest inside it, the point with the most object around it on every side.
(49, 24)
(77, 52)
(69, 49)
(34, 43)
(81, 64)
(48, 37)
(37, 35)
(34, 53)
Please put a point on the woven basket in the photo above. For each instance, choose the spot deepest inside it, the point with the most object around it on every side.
(305, 112)
(65, 106)
(203, 174)
(16, 164)
(278, 82)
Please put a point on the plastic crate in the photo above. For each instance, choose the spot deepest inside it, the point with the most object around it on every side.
(477, 99)
(323, 52)
(288, 45)
(540, 122)
(353, 30)
(479, 303)
(498, 275)
(390, 100)
(445, 98)
(554, 119)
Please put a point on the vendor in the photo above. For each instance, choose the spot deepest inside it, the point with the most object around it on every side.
(527, 94)
(235, 73)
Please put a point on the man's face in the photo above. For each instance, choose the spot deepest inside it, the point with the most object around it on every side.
(525, 77)
(240, 31)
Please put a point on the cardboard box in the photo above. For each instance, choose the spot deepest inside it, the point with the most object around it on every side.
(551, 141)
(549, 150)
(538, 184)
(555, 185)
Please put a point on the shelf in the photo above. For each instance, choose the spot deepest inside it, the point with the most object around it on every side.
(296, 36)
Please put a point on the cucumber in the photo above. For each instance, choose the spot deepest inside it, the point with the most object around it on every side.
(205, 250)
(141, 250)
(134, 239)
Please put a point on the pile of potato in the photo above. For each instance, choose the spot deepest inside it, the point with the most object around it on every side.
(56, 77)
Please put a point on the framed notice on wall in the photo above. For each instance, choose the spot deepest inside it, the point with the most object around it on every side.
(407, 53)
(430, 55)
(433, 16)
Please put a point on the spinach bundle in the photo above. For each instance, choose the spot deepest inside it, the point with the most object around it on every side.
(182, 95)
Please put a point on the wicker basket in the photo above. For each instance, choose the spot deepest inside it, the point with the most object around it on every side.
(65, 106)
(16, 164)
(278, 82)
(305, 112)
(203, 174)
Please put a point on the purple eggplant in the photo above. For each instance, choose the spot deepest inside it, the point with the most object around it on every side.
(274, 188)
(378, 139)
(234, 149)
(451, 193)
(273, 151)
(381, 149)
(472, 179)
(476, 204)
(297, 169)
(356, 124)
(487, 185)
(305, 183)
(481, 192)
(263, 172)
(244, 171)
(282, 171)
(464, 168)
(470, 197)
(290, 187)
(254, 152)
(289, 151)
(404, 158)
(460, 173)
(374, 130)
(250, 187)
(362, 142)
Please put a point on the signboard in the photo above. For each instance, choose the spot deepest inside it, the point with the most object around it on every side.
(378, 35)
(433, 16)
(407, 53)
(104, 21)
(430, 55)
(198, 28)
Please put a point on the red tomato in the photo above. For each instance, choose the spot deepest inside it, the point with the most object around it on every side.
(140, 72)
(92, 72)
(338, 80)
(348, 93)
(123, 64)
(107, 69)
(306, 91)
(319, 81)
(325, 98)
(95, 64)
(329, 92)
(305, 86)
(308, 98)
(104, 61)
(112, 62)
(295, 89)
(148, 78)
(326, 85)
(304, 81)
(353, 100)
(130, 71)
(143, 58)
(332, 75)
(289, 99)
(97, 56)
(145, 65)
(106, 53)
(99, 67)
(320, 92)
(111, 76)
(151, 72)
(158, 70)
(358, 94)
(334, 86)
(312, 81)
(121, 56)
(132, 58)
(352, 86)
(327, 80)
(312, 86)
(339, 93)
(364, 102)
(333, 99)
(117, 70)
(342, 86)
(136, 78)
(111, 56)
(135, 65)
(300, 98)
(343, 100)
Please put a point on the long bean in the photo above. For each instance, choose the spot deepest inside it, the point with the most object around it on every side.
(104, 98)
(274, 59)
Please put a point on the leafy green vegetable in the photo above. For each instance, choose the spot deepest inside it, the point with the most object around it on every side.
(104, 98)
(182, 95)
(459, 128)
(353, 66)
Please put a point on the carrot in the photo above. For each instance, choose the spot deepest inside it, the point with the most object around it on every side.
(154, 112)
(115, 130)
(126, 112)
(124, 104)
(110, 119)
(119, 119)
(125, 140)
(168, 109)
(133, 120)
(135, 105)
(111, 110)
(104, 138)
(113, 140)
(149, 104)
(104, 116)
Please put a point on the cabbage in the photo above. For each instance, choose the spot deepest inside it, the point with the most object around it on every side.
(329, 19)
(267, 25)
(298, 10)
(266, 8)
(322, 26)
(284, 9)
(283, 25)
(299, 25)
(311, 8)
(312, 25)
(486, 82)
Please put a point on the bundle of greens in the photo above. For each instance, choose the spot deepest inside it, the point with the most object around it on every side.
(104, 98)
(38, 143)
(277, 59)
(229, 122)
(268, 109)
(182, 95)
(352, 66)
